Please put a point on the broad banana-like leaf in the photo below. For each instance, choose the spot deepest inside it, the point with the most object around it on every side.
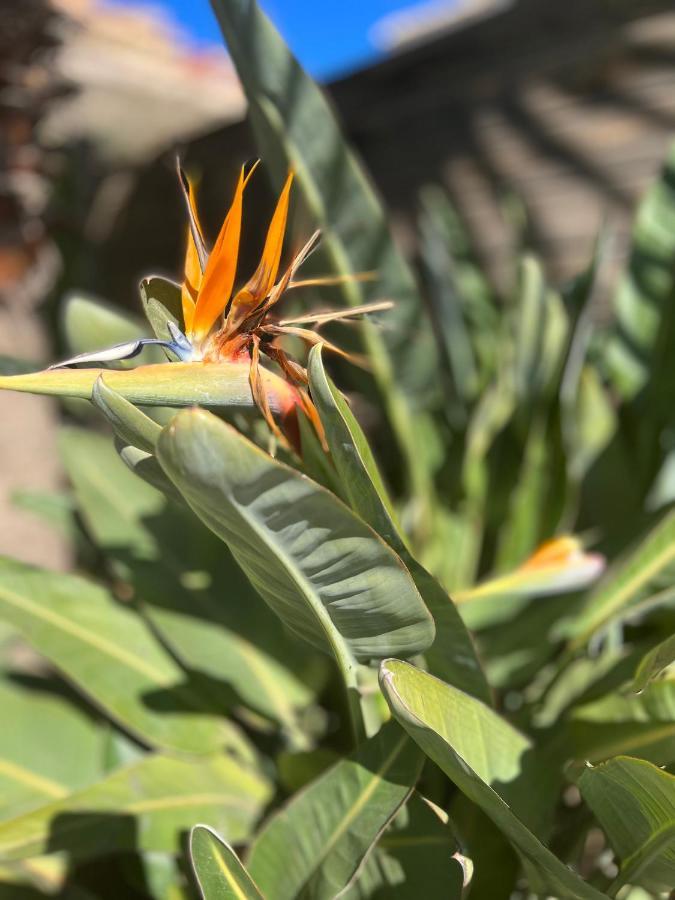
(187, 585)
(649, 567)
(452, 655)
(112, 657)
(51, 748)
(625, 724)
(661, 657)
(481, 761)
(315, 845)
(217, 868)
(295, 127)
(144, 806)
(415, 857)
(324, 572)
(634, 802)
(219, 385)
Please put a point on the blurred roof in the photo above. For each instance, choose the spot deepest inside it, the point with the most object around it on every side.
(139, 85)
(403, 29)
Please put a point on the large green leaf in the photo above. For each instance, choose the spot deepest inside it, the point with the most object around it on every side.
(452, 655)
(316, 844)
(413, 858)
(483, 758)
(145, 806)
(649, 567)
(634, 801)
(296, 127)
(50, 749)
(186, 583)
(329, 578)
(111, 656)
(217, 868)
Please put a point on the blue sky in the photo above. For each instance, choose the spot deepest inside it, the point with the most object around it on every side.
(329, 37)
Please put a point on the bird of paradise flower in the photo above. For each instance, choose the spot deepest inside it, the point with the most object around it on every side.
(222, 325)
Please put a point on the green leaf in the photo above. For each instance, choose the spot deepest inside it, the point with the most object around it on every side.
(111, 656)
(11, 365)
(654, 662)
(145, 806)
(532, 506)
(162, 303)
(129, 423)
(412, 859)
(186, 583)
(642, 304)
(217, 868)
(90, 325)
(315, 845)
(56, 509)
(295, 127)
(445, 269)
(541, 330)
(452, 655)
(359, 475)
(589, 421)
(625, 724)
(329, 578)
(146, 467)
(634, 802)
(649, 567)
(483, 761)
(51, 748)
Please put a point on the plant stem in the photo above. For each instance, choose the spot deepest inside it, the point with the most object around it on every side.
(348, 669)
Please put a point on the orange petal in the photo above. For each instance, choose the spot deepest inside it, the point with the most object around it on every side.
(262, 280)
(191, 284)
(553, 553)
(221, 267)
(265, 275)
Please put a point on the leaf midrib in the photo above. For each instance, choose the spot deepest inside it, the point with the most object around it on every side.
(40, 783)
(335, 640)
(87, 637)
(184, 801)
(343, 825)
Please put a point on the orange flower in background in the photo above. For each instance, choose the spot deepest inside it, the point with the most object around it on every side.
(221, 324)
(557, 566)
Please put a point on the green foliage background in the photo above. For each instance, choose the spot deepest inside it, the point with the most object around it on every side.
(218, 700)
